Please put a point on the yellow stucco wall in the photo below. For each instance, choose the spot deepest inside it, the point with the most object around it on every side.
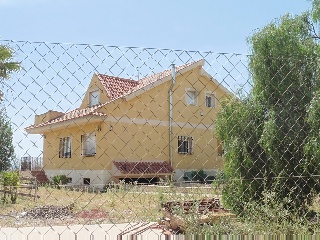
(138, 129)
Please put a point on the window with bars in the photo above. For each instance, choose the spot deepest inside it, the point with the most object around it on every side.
(65, 147)
(185, 145)
(88, 142)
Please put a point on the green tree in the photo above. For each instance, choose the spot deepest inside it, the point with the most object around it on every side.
(315, 13)
(7, 67)
(6, 142)
(264, 136)
(312, 147)
(7, 64)
(239, 125)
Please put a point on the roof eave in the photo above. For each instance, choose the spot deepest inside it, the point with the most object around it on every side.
(223, 88)
(63, 125)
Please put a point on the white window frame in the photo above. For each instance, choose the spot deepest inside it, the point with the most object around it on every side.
(88, 139)
(185, 145)
(191, 100)
(213, 99)
(94, 100)
(65, 147)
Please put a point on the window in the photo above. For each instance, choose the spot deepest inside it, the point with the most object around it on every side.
(88, 142)
(210, 100)
(191, 97)
(65, 147)
(184, 145)
(94, 98)
(86, 181)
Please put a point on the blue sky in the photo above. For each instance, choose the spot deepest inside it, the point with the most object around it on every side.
(205, 25)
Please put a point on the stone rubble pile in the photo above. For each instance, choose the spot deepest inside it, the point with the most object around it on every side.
(208, 211)
(49, 212)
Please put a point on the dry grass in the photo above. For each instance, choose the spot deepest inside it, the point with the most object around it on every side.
(133, 203)
(127, 204)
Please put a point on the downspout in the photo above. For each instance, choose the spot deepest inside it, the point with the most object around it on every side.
(173, 81)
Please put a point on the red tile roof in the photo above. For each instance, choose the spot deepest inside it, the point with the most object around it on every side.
(143, 167)
(155, 77)
(115, 88)
(74, 114)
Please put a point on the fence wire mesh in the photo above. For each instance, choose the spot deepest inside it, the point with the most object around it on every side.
(111, 142)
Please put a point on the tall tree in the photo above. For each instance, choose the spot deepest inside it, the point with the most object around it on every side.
(271, 142)
(315, 13)
(7, 64)
(7, 67)
(6, 142)
(283, 64)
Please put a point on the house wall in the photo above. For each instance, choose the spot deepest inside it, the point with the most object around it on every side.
(138, 129)
(98, 178)
(197, 122)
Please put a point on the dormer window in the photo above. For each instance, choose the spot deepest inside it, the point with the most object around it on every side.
(94, 98)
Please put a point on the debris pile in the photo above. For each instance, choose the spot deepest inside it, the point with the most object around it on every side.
(93, 214)
(49, 212)
(207, 211)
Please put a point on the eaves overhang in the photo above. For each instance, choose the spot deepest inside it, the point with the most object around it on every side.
(64, 124)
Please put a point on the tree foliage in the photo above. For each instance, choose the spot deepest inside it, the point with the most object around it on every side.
(315, 13)
(239, 125)
(7, 67)
(9, 182)
(6, 142)
(7, 64)
(266, 135)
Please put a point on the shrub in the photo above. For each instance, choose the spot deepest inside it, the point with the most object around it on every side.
(10, 182)
(199, 175)
(60, 180)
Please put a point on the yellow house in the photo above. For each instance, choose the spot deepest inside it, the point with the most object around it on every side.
(161, 125)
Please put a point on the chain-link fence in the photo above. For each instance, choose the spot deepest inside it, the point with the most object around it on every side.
(112, 142)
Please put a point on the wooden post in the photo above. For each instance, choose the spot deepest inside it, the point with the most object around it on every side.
(35, 191)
